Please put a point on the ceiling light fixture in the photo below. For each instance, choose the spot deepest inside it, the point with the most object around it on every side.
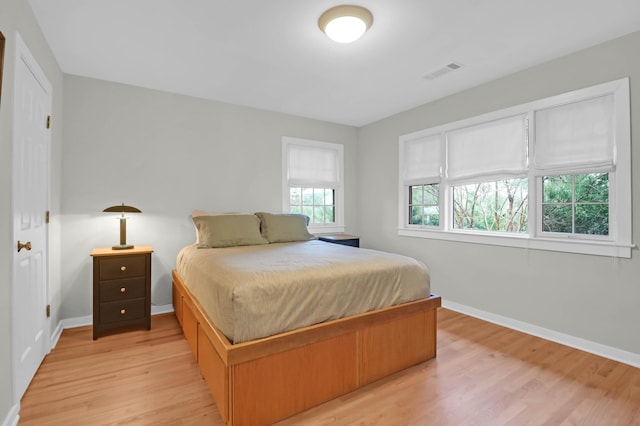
(345, 24)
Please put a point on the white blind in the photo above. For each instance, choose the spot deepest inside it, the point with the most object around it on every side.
(421, 160)
(577, 136)
(491, 150)
(312, 166)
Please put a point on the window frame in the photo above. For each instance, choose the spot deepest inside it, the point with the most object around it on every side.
(616, 244)
(316, 228)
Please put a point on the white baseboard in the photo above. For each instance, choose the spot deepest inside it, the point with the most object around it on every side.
(13, 416)
(88, 320)
(161, 309)
(55, 336)
(610, 352)
(77, 322)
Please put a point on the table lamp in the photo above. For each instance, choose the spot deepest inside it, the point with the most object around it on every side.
(123, 224)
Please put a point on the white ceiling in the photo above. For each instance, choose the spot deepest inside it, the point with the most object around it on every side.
(270, 54)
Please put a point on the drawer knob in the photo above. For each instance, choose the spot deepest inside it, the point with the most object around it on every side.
(123, 268)
(123, 311)
(123, 289)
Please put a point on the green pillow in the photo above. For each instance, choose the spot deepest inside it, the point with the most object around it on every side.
(282, 228)
(228, 230)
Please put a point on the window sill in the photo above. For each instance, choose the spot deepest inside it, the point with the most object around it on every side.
(596, 248)
(325, 229)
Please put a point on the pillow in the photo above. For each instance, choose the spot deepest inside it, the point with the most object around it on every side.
(197, 213)
(282, 228)
(228, 230)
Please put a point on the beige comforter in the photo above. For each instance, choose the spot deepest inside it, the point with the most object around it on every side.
(256, 291)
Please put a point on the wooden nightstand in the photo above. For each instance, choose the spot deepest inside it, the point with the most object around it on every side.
(121, 289)
(343, 239)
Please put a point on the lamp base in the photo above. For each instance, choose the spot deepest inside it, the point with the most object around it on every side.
(122, 247)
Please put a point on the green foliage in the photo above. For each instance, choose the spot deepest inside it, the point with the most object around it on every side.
(557, 189)
(557, 218)
(592, 219)
(592, 187)
(571, 204)
(576, 204)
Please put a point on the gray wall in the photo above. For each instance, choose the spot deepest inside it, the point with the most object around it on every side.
(167, 155)
(590, 297)
(15, 16)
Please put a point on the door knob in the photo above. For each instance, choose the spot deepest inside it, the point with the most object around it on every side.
(26, 245)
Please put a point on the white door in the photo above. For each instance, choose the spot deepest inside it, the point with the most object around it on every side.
(30, 327)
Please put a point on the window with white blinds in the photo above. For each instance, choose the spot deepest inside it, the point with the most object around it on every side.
(552, 174)
(576, 137)
(313, 165)
(421, 161)
(313, 182)
(490, 150)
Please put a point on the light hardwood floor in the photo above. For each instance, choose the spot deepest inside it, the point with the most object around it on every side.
(139, 377)
(484, 374)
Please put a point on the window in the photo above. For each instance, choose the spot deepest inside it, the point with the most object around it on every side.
(424, 204)
(551, 174)
(492, 206)
(312, 176)
(576, 204)
(317, 203)
(487, 167)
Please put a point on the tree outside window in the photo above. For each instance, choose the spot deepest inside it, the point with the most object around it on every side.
(576, 204)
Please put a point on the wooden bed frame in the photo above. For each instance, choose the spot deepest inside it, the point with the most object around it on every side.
(266, 380)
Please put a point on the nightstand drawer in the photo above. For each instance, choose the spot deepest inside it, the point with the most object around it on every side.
(122, 311)
(122, 267)
(130, 288)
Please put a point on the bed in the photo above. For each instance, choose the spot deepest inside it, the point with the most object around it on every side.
(280, 322)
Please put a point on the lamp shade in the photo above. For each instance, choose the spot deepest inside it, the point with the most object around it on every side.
(345, 24)
(122, 209)
(123, 223)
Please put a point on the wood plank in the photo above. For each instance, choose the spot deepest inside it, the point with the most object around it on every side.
(490, 375)
(406, 343)
(484, 374)
(214, 371)
(276, 386)
(139, 377)
(176, 300)
(190, 327)
(108, 251)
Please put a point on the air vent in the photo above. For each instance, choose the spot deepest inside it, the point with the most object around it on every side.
(443, 70)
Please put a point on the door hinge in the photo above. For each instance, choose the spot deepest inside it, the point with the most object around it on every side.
(48, 311)
(47, 217)
(48, 121)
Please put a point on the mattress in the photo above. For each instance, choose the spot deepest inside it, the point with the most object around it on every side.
(250, 292)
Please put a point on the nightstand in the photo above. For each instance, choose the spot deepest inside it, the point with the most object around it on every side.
(343, 239)
(121, 289)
